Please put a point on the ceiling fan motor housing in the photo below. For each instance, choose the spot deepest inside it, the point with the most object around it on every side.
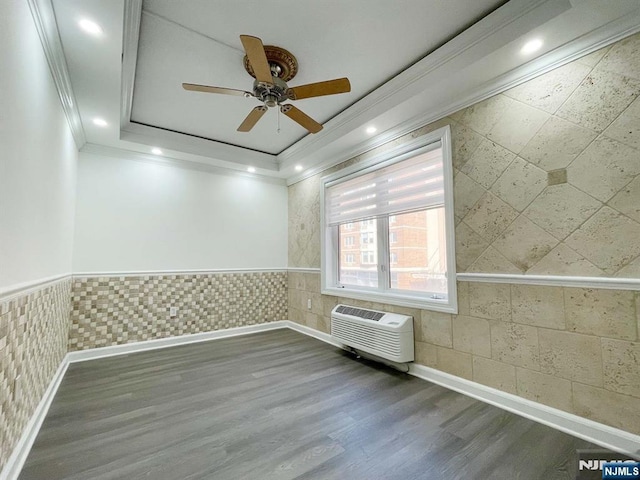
(271, 95)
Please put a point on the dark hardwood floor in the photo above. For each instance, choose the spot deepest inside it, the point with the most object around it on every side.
(280, 405)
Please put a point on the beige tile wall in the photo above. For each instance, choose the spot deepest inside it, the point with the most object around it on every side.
(34, 329)
(116, 310)
(546, 181)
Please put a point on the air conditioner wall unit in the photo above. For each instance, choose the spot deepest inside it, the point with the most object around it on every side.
(383, 334)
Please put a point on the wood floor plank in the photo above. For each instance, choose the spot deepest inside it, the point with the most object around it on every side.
(279, 405)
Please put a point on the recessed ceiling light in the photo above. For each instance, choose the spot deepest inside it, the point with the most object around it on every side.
(156, 151)
(90, 27)
(298, 168)
(100, 122)
(251, 170)
(531, 46)
(371, 130)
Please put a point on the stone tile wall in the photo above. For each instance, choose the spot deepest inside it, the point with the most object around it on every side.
(546, 175)
(546, 181)
(116, 310)
(34, 329)
(575, 349)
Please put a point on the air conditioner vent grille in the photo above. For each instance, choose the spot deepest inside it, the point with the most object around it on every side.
(359, 312)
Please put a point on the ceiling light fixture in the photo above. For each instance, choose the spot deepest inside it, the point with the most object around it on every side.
(251, 170)
(298, 168)
(531, 46)
(156, 151)
(371, 130)
(90, 27)
(100, 122)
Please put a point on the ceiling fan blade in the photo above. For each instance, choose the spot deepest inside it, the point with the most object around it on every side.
(257, 58)
(208, 89)
(300, 117)
(252, 118)
(318, 89)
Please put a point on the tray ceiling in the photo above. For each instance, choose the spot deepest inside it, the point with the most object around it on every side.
(367, 41)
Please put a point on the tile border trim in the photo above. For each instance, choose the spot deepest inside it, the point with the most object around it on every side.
(553, 280)
(154, 273)
(20, 289)
(609, 283)
(303, 270)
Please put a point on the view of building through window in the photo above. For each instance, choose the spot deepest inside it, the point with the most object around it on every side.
(418, 241)
(358, 253)
(417, 254)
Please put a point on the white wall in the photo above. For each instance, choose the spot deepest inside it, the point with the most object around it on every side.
(37, 158)
(136, 216)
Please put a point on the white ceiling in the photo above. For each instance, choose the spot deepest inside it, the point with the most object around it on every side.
(367, 41)
(401, 73)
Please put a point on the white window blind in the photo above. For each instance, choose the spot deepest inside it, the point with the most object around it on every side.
(412, 184)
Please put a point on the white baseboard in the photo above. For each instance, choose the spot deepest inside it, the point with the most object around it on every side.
(600, 434)
(312, 332)
(15, 462)
(103, 352)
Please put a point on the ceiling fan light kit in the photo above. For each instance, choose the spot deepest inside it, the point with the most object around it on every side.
(272, 67)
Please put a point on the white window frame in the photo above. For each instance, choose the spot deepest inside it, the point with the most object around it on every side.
(330, 238)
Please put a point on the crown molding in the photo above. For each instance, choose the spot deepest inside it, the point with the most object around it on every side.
(130, 38)
(124, 154)
(44, 18)
(588, 43)
(219, 153)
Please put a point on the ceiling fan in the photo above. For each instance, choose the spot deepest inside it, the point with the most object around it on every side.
(272, 67)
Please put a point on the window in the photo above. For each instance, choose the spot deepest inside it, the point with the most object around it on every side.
(366, 238)
(368, 257)
(412, 263)
(349, 241)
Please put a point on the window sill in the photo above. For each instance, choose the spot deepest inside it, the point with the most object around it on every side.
(394, 299)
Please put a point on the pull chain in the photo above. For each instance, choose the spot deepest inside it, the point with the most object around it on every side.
(278, 131)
